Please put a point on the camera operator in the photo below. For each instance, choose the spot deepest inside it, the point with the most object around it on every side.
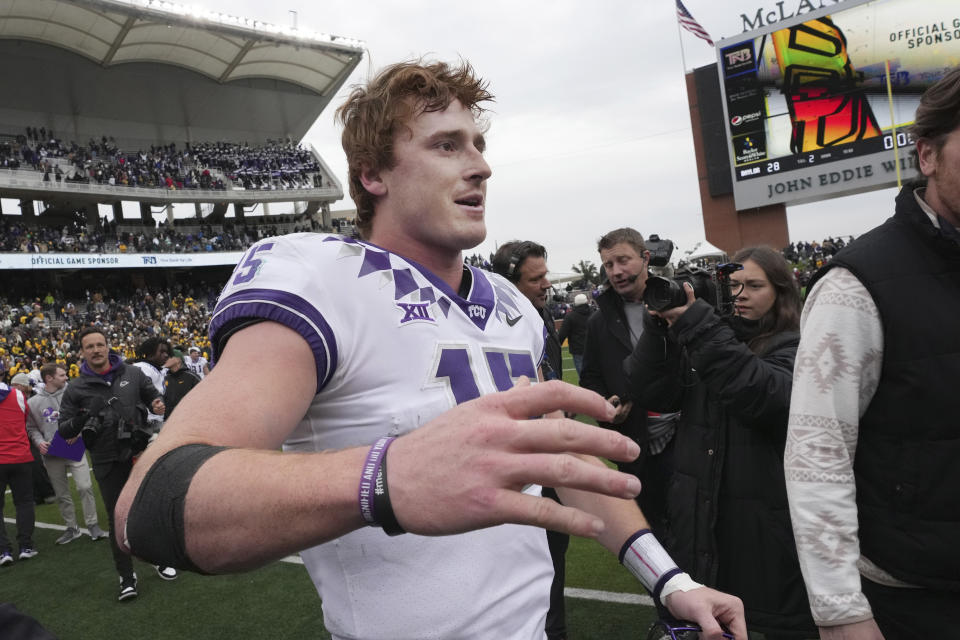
(730, 376)
(105, 405)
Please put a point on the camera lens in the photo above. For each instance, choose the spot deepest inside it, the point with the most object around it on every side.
(662, 293)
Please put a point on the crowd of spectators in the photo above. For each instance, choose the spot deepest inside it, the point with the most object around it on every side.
(478, 261)
(45, 329)
(107, 236)
(807, 257)
(18, 237)
(282, 165)
(271, 166)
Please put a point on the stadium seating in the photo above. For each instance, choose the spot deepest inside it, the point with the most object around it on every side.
(276, 165)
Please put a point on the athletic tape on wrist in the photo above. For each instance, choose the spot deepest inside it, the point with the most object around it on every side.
(677, 582)
(367, 479)
(646, 559)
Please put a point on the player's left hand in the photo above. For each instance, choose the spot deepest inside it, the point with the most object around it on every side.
(709, 609)
(157, 406)
(466, 468)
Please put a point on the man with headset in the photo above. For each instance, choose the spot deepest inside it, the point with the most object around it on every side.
(525, 265)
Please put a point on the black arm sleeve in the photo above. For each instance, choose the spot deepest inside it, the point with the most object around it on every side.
(155, 530)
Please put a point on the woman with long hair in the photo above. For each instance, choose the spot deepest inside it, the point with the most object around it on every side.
(730, 377)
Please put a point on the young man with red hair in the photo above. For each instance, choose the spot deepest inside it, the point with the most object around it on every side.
(390, 342)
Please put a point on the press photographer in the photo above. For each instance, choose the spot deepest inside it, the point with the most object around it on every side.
(711, 285)
(723, 357)
(107, 406)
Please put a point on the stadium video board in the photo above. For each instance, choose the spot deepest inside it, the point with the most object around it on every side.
(806, 101)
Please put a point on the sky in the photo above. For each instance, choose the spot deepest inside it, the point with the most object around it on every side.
(591, 128)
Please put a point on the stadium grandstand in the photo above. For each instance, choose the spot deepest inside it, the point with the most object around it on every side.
(144, 145)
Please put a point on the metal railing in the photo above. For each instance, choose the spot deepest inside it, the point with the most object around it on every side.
(30, 183)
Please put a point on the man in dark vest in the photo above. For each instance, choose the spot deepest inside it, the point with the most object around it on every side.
(525, 265)
(874, 438)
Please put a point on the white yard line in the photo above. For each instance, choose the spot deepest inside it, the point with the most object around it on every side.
(570, 592)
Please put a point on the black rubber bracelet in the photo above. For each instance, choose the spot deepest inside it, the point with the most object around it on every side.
(381, 502)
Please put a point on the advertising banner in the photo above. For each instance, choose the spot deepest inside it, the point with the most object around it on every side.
(820, 105)
(116, 260)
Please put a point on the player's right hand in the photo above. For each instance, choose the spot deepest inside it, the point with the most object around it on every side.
(709, 609)
(466, 468)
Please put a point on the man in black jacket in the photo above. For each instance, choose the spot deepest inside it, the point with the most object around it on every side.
(105, 405)
(178, 382)
(525, 265)
(612, 332)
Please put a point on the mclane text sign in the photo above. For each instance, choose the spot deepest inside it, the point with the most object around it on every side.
(783, 10)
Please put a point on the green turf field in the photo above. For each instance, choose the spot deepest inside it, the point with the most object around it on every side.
(72, 591)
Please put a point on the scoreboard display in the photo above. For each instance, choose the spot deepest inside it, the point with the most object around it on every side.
(820, 105)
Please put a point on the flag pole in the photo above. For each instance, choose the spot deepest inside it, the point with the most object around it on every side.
(893, 124)
(683, 58)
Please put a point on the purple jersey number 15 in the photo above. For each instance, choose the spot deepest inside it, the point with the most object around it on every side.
(247, 270)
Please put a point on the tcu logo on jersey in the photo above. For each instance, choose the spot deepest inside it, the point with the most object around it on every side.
(476, 311)
(415, 311)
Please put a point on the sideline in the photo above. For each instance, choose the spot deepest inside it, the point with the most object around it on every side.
(569, 592)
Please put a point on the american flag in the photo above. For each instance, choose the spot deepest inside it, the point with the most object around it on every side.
(687, 22)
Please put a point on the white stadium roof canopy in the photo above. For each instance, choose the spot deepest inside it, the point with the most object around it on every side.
(220, 46)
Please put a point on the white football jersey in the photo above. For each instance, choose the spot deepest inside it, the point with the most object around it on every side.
(157, 376)
(195, 367)
(395, 347)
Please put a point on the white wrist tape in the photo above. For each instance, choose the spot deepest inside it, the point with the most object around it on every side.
(679, 582)
(646, 559)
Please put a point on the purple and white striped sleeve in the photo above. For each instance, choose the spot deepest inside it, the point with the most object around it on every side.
(288, 309)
